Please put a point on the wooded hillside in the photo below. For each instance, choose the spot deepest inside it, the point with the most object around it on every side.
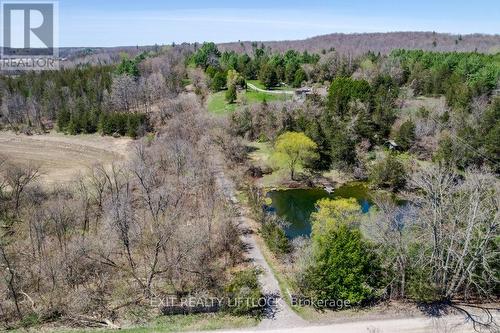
(358, 44)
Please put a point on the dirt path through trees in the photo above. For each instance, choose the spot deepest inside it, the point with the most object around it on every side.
(279, 315)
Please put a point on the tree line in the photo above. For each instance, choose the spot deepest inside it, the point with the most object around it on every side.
(103, 248)
(271, 69)
(84, 98)
(458, 76)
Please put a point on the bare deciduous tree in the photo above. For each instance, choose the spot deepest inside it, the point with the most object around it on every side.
(390, 226)
(17, 177)
(123, 92)
(153, 225)
(458, 221)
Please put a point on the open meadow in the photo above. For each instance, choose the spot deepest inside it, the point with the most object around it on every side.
(62, 157)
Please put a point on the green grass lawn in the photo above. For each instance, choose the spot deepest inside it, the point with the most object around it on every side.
(253, 97)
(259, 85)
(166, 324)
(217, 102)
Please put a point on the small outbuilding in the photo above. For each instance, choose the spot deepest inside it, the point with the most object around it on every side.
(392, 145)
(304, 93)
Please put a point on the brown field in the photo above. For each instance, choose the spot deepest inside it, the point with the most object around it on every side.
(62, 157)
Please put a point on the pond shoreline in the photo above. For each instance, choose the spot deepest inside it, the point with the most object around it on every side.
(315, 182)
(296, 205)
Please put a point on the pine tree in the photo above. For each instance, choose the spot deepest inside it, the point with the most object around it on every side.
(231, 94)
(406, 135)
(343, 266)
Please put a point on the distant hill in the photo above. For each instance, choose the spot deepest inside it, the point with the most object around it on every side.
(356, 44)
(347, 44)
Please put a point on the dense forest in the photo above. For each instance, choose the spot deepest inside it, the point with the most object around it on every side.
(445, 162)
(270, 69)
(103, 248)
(98, 249)
(358, 44)
(361, 109)
(111, 99)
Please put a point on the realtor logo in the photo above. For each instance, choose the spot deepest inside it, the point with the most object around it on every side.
(29, 34)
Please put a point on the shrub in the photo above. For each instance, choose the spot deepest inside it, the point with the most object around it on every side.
(388, 173)
(30, 320)
(244, 293)
(420, 287)
(274, 235)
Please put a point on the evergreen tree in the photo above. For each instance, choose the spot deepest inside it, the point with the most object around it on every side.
(343, 147)
(300, 76)
(343, 266)
(231, 94)
(63, 119)
(406, 135)
(268, 76)
(343, 90)
(218, 81)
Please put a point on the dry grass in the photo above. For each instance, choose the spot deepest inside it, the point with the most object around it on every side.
(433, 104)
(62, 157)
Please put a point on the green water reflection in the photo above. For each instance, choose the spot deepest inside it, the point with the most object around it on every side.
(296, 205)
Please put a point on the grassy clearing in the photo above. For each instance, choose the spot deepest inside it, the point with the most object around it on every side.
(253, 97)
(432, 104)
(259, 85)
(217, 102)
(166, 324)
(262, 157)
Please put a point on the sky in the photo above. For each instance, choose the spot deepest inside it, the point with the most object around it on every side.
(147, 22)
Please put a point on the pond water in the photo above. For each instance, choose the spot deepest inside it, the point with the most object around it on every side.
(296, 205)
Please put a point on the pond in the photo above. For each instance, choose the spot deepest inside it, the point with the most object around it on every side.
(296, 205)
